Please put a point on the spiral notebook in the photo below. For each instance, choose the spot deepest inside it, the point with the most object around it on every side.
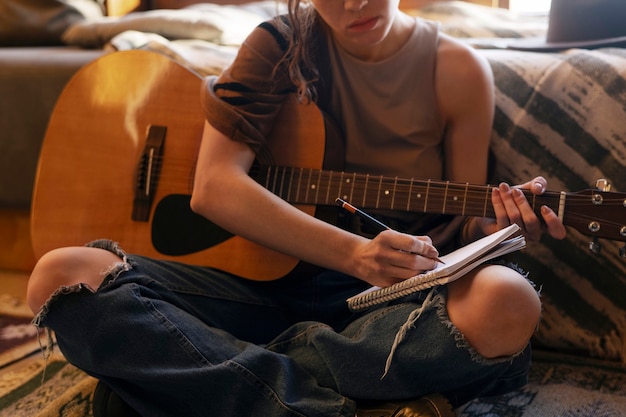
(457, 264)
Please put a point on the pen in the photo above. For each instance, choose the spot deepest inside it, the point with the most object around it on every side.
(373, 221)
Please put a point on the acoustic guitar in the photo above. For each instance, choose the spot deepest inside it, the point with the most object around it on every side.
(118, 162)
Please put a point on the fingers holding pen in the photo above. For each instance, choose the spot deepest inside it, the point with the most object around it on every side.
(392, 256)
(414, 253)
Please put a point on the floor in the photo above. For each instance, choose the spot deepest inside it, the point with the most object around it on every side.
(16, 254)
(13, 283)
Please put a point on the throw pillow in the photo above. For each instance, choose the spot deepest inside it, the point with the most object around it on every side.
(208, 22)
(41, 22)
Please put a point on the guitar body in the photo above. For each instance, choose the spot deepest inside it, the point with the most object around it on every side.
(91, 180)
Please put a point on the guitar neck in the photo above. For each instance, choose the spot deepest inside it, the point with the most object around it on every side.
(322, 187)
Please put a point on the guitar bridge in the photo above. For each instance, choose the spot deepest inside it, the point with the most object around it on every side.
(147, 176)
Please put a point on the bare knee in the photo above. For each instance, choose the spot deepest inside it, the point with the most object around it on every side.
(66, 267)
(496, 309)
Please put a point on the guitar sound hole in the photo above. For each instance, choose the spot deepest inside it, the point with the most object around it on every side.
(177, 230)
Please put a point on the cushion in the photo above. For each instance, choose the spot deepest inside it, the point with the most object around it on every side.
(41, 22)
(473, 21)
(31, 79)
(208, 22)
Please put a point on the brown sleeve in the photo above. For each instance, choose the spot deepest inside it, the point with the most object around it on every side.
(245, 99)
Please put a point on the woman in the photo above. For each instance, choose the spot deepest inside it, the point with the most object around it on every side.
(172, 339)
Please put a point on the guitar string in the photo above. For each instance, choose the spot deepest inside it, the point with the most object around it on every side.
(402, 187)
(401, 190)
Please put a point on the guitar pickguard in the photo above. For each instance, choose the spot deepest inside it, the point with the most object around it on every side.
(177, 230)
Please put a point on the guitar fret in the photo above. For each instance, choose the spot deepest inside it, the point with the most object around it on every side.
(308, 187)
(291, 171)
(330, 178)
(274, 180)
(275, 176)
(464, 199)
(487, 189)
(268, 177)
(352, 187)
(319, 186)
(393, 193)
(426, 197)
(380, 183)
(445, 198)
(408, 200)
(367, 179)
(282, 182)
(299, 184)
(340, 186)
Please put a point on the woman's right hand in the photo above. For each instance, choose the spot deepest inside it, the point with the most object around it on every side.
(392, 257)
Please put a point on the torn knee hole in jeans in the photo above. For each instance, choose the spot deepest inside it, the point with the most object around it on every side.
(117, 268)
(110, 274)
(436, 300)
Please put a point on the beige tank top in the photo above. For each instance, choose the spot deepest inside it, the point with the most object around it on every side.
(389, 109)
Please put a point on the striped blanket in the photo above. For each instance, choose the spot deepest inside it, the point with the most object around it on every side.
(563, 116)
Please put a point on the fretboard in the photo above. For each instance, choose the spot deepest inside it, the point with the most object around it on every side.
(321, 187)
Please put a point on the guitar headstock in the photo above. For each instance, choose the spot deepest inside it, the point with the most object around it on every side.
(598, 213)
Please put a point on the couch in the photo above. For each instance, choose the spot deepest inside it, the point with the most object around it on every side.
(561, 115)
(34, 67)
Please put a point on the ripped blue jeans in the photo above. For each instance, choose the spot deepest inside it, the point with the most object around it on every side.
(180, 340)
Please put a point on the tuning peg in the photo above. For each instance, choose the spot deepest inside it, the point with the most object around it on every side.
(622, 251)
(595, 247)
(603, 185)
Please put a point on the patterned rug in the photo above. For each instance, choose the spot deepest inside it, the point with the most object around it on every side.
(31, 386)
(560, 386)
(18, 337)
(34, 387)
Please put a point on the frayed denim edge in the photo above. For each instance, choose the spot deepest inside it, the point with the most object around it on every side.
(438, 300)
(462, 342)
(110, 275)
(430, 300)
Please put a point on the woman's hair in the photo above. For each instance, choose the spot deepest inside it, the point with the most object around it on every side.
(299, 31)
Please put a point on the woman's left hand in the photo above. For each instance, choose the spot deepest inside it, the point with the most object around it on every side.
(511, 206)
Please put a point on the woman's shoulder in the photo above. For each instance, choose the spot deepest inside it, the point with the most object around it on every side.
(454, 54)
(259, 55)
(270, 34)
